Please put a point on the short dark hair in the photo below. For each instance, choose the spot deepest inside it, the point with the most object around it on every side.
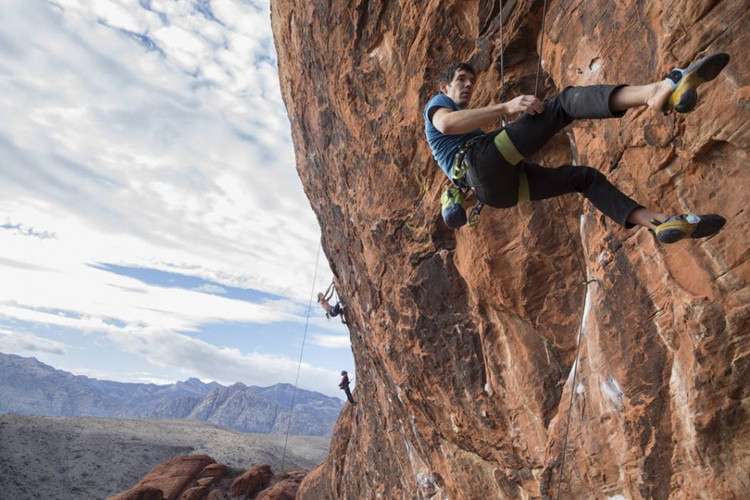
(450, 71)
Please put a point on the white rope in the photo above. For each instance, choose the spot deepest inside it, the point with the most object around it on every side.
(586, 281)
(301, 351)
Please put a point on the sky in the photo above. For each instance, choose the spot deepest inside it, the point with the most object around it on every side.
(152, 223)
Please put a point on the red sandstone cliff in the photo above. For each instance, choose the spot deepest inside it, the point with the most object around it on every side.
(200, 477)
(464, 341)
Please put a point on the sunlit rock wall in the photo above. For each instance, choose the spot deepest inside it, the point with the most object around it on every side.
(464, 341)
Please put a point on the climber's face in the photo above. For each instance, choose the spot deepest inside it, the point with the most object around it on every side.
(460, 88)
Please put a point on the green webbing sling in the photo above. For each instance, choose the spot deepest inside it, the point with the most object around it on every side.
(512, 156)
(507, 148)
(523, 185)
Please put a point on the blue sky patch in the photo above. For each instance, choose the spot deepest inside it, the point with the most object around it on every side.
(166, 279)
(27, 231)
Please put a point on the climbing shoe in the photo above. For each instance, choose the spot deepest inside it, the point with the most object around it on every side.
(683, 226)
(685, 82)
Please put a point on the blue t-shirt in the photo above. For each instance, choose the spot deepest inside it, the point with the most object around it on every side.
(444, 146)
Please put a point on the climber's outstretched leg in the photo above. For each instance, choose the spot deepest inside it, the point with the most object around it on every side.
(677, 92)
(545, 182)
(530, 132)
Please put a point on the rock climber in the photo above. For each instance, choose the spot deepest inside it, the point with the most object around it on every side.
(495, 163)
(344, 386)
(331, 311)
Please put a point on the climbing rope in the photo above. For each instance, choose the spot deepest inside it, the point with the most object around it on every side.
(299, 364)
(585, 281)
(570, 405)
(502, 58)
(541, 48)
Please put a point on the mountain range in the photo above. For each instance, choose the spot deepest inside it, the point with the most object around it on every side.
(29, 387)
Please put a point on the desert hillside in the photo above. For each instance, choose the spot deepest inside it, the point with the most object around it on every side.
(29, 387)
(62, 458)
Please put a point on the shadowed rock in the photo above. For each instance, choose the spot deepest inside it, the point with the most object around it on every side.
(251, 482)
(285, 489)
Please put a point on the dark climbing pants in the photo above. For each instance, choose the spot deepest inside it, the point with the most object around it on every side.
(349, 395)
(335, 311)
(496, 181)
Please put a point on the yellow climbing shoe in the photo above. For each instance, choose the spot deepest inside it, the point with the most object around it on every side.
(685, 82)
(683, 226)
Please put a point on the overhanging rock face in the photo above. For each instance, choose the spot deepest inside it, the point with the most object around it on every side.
(465, 341)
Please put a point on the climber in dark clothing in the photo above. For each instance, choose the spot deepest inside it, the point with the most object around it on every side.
(331, 311)
(344, 385)
(494, 163)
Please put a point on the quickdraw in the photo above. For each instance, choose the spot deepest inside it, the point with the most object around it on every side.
(474, 214)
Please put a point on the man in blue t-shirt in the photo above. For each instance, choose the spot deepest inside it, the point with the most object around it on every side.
(498, 173)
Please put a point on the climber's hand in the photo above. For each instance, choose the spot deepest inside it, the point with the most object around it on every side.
(524, 104)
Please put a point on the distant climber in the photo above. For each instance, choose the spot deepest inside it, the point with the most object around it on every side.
(494, 164)
(331, 311)
(344, 385)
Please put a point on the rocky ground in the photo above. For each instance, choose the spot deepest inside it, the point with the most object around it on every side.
(61, 458)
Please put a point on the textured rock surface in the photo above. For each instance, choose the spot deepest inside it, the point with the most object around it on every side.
(172, 478)
(285, 489)
(252, 481)
(199, 477)
(464, 341)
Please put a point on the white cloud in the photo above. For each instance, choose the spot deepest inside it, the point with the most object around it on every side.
(173, 163)
(113, 14)
(332, 341)
(24, 342)
(99, 295)
(147, 134)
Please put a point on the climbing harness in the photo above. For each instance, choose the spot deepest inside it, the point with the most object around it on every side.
(461, 164)
(299, 364)
(453, 199)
